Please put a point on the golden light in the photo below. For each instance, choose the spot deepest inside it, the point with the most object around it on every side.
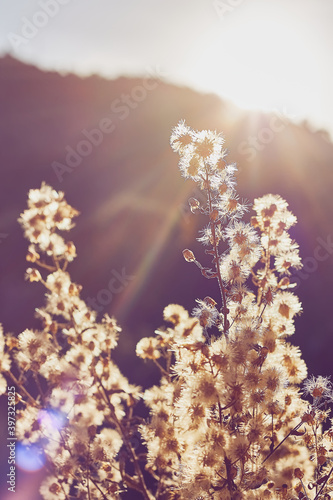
(259, 58)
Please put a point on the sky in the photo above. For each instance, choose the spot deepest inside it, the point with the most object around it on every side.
(261, 54)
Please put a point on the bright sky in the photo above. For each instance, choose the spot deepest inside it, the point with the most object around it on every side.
(266, 54)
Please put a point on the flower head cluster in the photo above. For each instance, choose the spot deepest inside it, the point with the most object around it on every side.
(228, 420)
(5, 362)
(47, 213)
(202, 159)
(79, 415)
(274, 220)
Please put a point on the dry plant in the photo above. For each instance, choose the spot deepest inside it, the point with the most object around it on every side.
(227, 420)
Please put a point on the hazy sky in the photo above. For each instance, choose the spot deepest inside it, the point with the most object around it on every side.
(271, 54)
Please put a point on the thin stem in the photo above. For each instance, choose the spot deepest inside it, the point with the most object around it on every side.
(262, 312)
(220, 411)
(142, 487)
(35, 376)
(317, 467)
(163, 370)
(324, 484)
(168, 361)
(304, 489)
(45, 266)
(217, 267)
(243, 454)
(283, 440)
(233, 321)
(56, 261)
(22, 388)
(63, 489)
(87, 470)
(99, 489)
(267, 267)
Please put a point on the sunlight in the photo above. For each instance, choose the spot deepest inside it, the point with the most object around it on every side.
(266, 68)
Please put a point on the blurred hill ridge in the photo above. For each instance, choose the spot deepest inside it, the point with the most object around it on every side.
(132, 198)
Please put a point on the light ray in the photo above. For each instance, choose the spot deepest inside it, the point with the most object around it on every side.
(143, 273)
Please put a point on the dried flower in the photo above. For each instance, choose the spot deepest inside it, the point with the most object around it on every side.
(227, 420)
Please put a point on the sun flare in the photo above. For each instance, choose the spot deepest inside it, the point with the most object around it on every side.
(266, 68)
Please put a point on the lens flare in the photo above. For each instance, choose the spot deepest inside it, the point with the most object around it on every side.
(29, 458)
(51, 420)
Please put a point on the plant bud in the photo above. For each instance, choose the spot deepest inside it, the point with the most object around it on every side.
(194, 204)
(268, 296)
(285, 282)
(33, 275)
(32, 255)
(210, 302)
(188, 255)
(70, 249)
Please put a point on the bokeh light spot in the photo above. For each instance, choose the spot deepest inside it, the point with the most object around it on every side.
(29, 458)
(52, 419)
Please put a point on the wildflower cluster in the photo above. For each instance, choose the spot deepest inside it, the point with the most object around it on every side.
(75, 404)
(228, 420)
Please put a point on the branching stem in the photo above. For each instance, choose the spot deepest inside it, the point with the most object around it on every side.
(216, 260)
